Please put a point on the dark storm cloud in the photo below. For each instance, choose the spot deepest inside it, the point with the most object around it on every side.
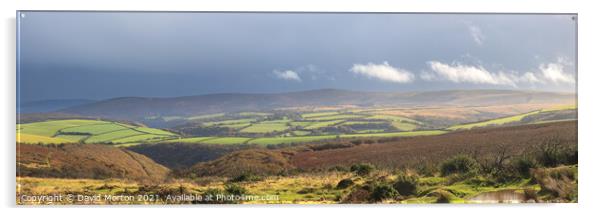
(103, 55)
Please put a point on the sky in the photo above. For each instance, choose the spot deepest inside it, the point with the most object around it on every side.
(101, 55)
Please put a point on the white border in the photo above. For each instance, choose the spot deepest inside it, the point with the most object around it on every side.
(589, 99)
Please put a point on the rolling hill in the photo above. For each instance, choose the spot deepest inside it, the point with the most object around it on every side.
(136, 108)
(87, 131)
(394, 153)
(86, 161)
(49, 105)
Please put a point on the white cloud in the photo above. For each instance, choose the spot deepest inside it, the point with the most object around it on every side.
(530, 77)
(476, 34)
(383, 72)
(287, 75)
(555, 73)
(460, 73)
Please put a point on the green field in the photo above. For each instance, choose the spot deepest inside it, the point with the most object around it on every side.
(265, 128)
(498, 121)
(189, 140)
(394, 118)
(317, 114)
(334, 117)
(317, 125)
(208, 116)
(404, 126)
(229, 122)
(227, 140)
(87, 131)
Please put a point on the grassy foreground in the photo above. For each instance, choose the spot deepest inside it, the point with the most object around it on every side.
(315, 188)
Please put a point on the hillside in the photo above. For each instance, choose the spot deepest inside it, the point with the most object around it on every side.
(49, 105)
(252, 161)
(136, 108)
(432, 149)
(393, 152)
(86, 161)
(87, 131)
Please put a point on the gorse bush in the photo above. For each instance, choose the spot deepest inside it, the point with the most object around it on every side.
(363, 169)
(234, 189)
(345, 183)
(406, 185)
(551, 153)
(246, 178)
(383, 191)
(460, 164)
(522, 166)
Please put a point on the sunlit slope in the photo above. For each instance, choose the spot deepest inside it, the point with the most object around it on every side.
(87, 131)
(560, 113)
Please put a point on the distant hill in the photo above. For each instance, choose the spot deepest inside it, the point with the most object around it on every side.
(50, 105)
(135, 108)
(86, 161)
(393, 153)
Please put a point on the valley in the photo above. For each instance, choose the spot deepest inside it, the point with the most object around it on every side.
(460, 151)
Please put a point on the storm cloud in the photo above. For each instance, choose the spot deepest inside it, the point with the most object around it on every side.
(99, 55)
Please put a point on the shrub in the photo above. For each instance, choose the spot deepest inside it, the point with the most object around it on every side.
(338, 169)
(307, 190)
(551, 153)
(523, 165)
(246, 178)
(345, 183)
(235, 189)
(382, 192)
(460, 164)
(363, 169)
(426, 169)
(406, 185)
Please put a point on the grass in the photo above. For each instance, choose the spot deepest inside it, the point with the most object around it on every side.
(403, 126)
(236, 126)
(281, 140)
(334, 117)
(302, 139)
(265, 128)
(254, 114)
(137, 138)
(498, 121)
(189, 140)
(317, 114)
(397, 134)
(300, 133)
(94, 128)
(74, 138)
(88, 131)
(229, 122)
(301, 123)
(155, 131)
(394, 118)
(305, 188)
(561, 107)
(108, 137)
(227, 140)
(50, 128)
(317, 125)
(208, 116)
(32, 138)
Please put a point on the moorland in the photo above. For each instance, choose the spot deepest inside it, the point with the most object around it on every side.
(320, 146)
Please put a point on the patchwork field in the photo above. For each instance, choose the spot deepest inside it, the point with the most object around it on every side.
(291, 126)
(88, 131)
